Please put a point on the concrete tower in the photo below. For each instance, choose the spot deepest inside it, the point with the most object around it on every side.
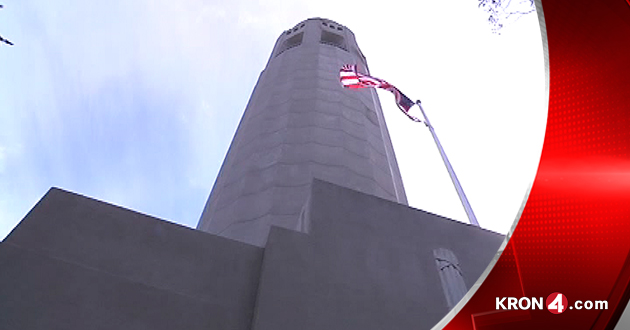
(328, 257)
(301, 124)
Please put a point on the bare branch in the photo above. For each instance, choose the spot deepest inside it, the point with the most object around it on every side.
(1, 38)
(505, 11)
(6, 41)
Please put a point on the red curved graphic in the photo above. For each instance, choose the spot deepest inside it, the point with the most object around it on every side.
(574, 234)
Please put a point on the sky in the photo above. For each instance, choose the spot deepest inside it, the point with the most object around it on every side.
(135, 102)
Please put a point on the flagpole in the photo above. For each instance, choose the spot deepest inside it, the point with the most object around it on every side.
(451, 172)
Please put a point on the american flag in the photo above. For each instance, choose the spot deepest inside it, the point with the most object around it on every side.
(351, 78)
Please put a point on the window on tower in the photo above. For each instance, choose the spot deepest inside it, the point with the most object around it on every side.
(333, 39)
(291, 42)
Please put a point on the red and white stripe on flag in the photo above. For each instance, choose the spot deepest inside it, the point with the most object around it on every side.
(351, 78)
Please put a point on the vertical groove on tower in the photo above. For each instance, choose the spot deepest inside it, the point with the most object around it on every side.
(301, 124)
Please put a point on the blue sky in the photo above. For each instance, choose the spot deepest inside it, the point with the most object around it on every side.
(135, 103)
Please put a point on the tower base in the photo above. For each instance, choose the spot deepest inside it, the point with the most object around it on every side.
(363, 263)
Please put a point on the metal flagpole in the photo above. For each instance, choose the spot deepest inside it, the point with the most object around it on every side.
(458, 186)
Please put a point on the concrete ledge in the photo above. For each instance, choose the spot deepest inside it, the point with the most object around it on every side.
(367, 263)
(141, 249)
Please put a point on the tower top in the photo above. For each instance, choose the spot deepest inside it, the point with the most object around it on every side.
(316, 31)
